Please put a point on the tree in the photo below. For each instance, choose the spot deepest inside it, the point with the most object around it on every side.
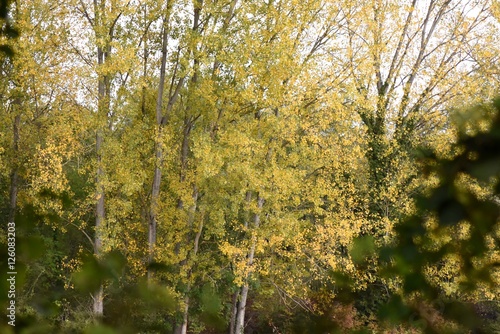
(40, 126)
(401, 68)
(103, 19)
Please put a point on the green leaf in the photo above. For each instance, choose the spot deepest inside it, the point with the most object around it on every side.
(362, 248)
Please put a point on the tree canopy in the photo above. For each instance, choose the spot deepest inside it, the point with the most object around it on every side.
(225, 166)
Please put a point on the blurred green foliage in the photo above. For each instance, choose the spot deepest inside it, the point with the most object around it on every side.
(6, 27)
(478, 157)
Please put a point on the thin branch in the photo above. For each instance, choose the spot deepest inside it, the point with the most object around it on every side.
(86, 13)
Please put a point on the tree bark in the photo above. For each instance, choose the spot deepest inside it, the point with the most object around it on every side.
(161, 120)
(239, 325)
(98, 296)
(103, 87)
(234, 311)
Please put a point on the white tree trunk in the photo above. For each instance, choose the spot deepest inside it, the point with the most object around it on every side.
(239, 326)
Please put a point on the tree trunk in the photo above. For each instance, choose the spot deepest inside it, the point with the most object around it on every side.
(234, 311)
(182, 327)
(144, 63)
(98, 296)
(160, 122)
(240, 310)
(102, 114)
(184, 153)
(239, 325)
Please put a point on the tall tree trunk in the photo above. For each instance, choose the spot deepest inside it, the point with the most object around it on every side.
(181, 328)
(98, 296)
(144, 63)
(161, 120)
(102, 114)
(239, 325)
(189, 121)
